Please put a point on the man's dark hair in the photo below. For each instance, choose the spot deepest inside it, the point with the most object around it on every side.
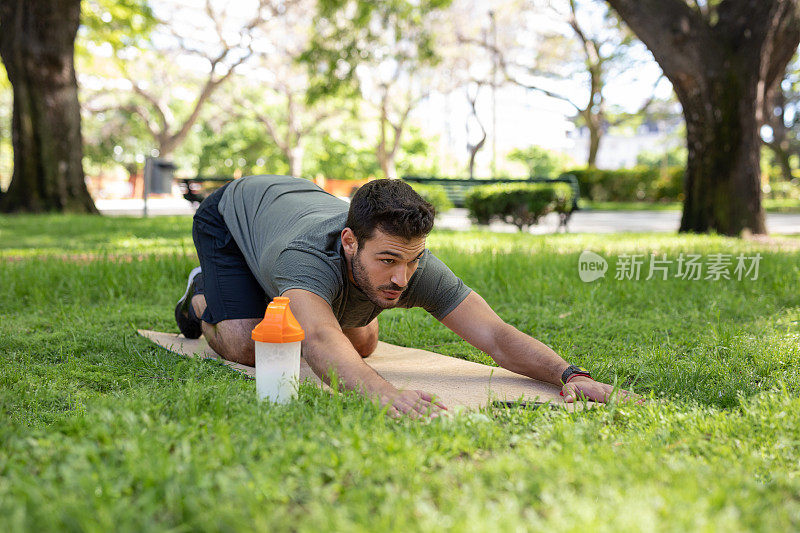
(392, 206)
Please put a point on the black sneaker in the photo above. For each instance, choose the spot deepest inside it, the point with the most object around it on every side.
(188, 321)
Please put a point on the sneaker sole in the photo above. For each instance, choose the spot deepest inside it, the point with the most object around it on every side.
(193, 274)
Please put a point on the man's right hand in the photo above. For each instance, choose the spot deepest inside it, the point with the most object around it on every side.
(327, 349)
(411, 403)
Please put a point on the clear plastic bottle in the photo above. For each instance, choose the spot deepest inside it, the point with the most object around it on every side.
(277, 340)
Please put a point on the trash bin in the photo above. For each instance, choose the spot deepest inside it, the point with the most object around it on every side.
(158, 174)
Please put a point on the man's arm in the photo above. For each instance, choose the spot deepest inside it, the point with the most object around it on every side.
(326, 348)
(475, 322)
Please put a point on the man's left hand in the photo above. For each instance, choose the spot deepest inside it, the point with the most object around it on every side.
(581, 387)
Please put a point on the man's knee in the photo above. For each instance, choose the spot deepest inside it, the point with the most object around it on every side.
(365, 339)
(231, 339)
(366, 347)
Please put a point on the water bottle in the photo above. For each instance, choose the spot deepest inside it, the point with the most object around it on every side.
(277, 339)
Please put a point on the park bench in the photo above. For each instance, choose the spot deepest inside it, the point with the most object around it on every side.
(457, 188)
(197, 189)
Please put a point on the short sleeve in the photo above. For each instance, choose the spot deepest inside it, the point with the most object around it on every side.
(298, 269)
(437, 289)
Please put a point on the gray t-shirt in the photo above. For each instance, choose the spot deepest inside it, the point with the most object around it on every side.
(289, 231)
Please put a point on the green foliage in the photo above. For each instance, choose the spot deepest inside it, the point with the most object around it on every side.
(674, 157)
(540, 162)
(782, 190)
(435, 195)
(115, 137)
(5, 85)
(522, 205)
(348, 33)
(417, 155)
(238, 145)
(346, 159)
(630, 184)
(6, 150)
(118, 23)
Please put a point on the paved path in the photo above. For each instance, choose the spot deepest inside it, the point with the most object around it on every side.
(155, 206)
(614, 222)
(581, 222)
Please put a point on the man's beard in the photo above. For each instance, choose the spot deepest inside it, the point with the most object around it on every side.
(361, 279)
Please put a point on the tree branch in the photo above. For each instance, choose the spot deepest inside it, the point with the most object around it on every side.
(676, 34)
(503, 66)
(642, 109)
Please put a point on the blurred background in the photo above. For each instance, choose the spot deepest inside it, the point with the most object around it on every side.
(350, 90)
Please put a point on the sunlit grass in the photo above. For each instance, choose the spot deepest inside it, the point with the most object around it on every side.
(104, 431)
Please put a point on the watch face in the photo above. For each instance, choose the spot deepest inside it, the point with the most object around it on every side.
(574, 370)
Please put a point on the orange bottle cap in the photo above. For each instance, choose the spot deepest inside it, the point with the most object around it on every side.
(279, 325)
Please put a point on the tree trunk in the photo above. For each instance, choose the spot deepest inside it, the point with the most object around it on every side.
(774, 116)
(720, 60)
(723, 175)
(388, 167)
(295, 157)
(594, 141)
(37, 42)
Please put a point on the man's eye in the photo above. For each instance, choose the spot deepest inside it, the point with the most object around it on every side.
(388, 261)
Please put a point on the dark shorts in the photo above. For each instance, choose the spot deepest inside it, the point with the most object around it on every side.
(231, 290)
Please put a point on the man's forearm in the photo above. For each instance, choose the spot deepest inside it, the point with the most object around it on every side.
(521, 353)
(327, 353)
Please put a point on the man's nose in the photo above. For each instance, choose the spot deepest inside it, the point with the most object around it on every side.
(400, 276)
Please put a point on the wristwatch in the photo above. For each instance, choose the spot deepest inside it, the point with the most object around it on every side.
(572, 371)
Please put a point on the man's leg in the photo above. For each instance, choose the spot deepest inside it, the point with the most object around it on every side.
(231, 301)
(229, 338)
(365, 339)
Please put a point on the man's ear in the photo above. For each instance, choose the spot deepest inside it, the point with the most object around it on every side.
(349, 241)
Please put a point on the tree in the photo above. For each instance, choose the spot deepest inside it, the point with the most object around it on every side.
(473, 119)
(113, 135)
(581, 47)
(541, 163)
(211, 37)
(37, 45)
(722, 58)
(382, 51)
(782, 117)
(282, 110)
(230, 146)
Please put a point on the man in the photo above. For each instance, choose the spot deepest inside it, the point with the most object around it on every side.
(264, 236)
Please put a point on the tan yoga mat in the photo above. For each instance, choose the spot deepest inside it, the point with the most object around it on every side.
(455, 381)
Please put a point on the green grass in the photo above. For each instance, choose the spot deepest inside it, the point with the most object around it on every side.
(770, 206)
(103, 431)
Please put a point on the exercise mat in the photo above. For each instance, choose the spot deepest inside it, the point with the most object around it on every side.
(455, 381)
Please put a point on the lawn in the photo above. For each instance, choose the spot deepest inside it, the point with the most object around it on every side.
(103, 431)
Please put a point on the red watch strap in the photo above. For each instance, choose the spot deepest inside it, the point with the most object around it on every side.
(576, 374)
(561, 392)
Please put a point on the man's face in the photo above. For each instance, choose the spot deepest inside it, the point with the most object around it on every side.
(382, 265)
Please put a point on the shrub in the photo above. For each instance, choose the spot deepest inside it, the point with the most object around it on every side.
(669, 186)
(636, 184)
(434, 194)
(519, 204)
